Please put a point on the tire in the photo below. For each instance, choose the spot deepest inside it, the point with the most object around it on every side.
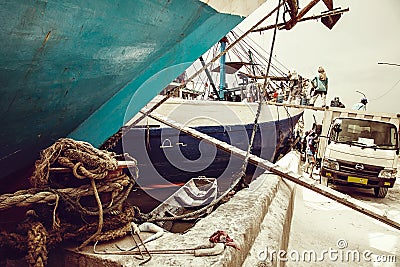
(380, 192)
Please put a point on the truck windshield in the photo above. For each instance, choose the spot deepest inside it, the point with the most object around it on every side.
(364, 133)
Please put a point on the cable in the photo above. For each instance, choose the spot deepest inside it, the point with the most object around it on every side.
(387, 91)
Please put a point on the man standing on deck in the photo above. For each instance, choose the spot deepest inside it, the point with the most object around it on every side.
(310, 153)
(362, 105)
(320, 86)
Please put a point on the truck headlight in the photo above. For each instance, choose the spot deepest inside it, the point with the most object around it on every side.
(331, 164)
(387, 173)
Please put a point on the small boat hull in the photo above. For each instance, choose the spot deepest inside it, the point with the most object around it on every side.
(166, 155)
(193, 195)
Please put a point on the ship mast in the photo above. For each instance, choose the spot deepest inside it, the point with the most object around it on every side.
(222, 76)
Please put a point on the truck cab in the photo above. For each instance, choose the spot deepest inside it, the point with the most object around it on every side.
(361, 151)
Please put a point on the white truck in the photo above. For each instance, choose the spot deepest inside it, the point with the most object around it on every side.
(360, 149)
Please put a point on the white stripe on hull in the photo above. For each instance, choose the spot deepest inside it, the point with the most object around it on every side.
(195, 113)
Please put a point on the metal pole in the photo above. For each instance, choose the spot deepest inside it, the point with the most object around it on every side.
(280, 25)
(209, 78)
(222, 73)
(392, 64)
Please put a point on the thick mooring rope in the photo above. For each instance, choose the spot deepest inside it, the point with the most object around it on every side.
(64, 216)
(37, 251)
(85, 161)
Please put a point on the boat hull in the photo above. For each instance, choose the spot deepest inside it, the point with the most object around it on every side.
(165, 155)
(70, 68)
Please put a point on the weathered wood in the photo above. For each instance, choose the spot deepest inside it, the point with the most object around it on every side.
(297, 106)
(293, 8)
(273, 78)
(313, 17)
(267, 165)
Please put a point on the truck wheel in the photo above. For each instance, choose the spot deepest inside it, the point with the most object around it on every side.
(380, 191)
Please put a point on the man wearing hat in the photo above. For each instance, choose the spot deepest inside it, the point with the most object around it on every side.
(320, 86)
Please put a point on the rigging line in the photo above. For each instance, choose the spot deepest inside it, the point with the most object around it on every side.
(391, 64)
(258, 55)
(241, 173)
(207, 54)
(272, 49)
(200, 76)
(256, 44)
(234, 43)
(214, 75)
(387, 91)
(243, 57)
(235, 52)
(229, 56)
(291, 120)
(263, 59)
(255, 125)
(256, 58)
(244, 47)
(239, 52)
(239, 55)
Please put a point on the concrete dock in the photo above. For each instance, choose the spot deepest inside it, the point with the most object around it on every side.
(256, 218)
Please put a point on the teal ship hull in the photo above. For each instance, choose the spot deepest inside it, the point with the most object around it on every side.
(71, 68)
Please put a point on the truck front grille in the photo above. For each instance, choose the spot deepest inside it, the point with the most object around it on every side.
(367, 171)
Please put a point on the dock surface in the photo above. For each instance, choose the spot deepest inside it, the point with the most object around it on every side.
(255, 217)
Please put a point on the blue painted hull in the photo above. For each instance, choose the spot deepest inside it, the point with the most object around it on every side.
(70, 68)
(166, 156)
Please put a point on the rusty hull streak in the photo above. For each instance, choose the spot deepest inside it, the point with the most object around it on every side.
(34, 59)
(46, 39)
(39, 51)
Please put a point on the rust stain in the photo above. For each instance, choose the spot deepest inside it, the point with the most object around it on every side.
(46, 39)
(37, 54)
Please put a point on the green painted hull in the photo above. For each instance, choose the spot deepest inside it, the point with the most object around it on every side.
(71, 68)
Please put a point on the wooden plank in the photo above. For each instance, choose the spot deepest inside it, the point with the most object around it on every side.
(281, 26)
(296, 178)
(297, 106)
(328, 3)
(293, 8)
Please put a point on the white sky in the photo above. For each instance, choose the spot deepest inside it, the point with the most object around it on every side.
(369, 33)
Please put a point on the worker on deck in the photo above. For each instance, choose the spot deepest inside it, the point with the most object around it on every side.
(336, 103)
(362, 105)
(294, 86)
(311, 147)
(320, 87)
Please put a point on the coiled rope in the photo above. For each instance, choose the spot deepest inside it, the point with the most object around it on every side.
(64, 215)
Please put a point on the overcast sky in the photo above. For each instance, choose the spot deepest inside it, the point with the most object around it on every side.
(369, 33)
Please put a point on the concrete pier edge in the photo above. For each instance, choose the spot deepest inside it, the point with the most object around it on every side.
(256, 217)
